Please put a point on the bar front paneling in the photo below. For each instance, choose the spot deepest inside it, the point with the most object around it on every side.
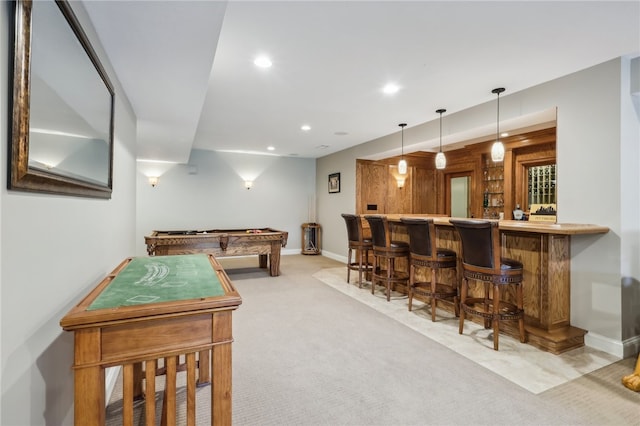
(544, 250)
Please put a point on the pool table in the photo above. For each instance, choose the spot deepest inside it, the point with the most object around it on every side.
(153, 310)
(265, 242)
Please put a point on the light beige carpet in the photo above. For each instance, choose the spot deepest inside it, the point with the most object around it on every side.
(306, 354)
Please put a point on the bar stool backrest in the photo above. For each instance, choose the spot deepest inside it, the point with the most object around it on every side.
(379, 230)
(421, 240)
(480, 242)
(354, 227)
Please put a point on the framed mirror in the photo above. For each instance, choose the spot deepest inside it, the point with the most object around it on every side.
(63, 106)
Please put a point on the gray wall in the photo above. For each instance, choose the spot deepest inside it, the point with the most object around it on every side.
(53, 250)
(209, 192)
(598, 129)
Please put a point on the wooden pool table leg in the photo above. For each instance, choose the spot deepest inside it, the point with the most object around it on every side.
(274, 270)
(221, 385)
(89, 394)
(262, 259)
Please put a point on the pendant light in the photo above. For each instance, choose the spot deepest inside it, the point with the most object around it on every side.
(497, 150)
(441, 160)
(402, 165)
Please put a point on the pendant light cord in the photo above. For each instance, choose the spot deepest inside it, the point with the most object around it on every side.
(498, 119)
(497, 92)
(440, 131)
(440, 111)
(402, 139)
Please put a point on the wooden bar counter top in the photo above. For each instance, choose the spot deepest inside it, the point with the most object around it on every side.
(519, 225)
(544, 250)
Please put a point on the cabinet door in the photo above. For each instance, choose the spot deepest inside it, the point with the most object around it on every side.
(424, 188)
(371, 189)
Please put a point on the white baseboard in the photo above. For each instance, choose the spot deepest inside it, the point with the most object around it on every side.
(111, 378)
(285, 252)
(621, 349)
(334, 256)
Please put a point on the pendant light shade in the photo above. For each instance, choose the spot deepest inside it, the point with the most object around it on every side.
(441, 160)
(497, 150)
(402, 164)
(402, 167)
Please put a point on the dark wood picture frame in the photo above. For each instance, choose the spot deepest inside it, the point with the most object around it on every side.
(334, 183)
(25, 172)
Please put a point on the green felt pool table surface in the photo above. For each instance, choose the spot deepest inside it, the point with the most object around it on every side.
(160, 279)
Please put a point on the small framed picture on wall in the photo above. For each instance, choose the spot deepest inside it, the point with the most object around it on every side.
(334, 183)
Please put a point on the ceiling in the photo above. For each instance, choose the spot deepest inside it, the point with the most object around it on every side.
(187, 66)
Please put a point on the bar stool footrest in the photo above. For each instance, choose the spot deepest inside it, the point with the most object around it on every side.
(508, 311)
(355, 266)
(396, 276)
(443, 291)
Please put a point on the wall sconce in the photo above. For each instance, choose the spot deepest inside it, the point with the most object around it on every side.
(248, 184)
(400, 182)
(153, 181)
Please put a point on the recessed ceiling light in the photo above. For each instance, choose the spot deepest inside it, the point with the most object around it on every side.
(305, 127)
(390, 88)
(504, 134)
(271, 148)
(262, 62)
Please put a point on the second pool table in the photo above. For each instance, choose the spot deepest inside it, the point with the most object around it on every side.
(265, 242)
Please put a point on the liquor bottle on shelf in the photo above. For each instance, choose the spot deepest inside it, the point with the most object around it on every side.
(485, 201)
(518, 213)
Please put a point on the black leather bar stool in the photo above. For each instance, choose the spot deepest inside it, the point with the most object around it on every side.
(385, 253)
(482, 261)
(425, 255)
(360, 244)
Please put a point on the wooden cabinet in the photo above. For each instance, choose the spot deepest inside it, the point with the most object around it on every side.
(494, 188)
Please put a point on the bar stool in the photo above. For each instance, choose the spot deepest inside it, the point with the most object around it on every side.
(361, 245)
(425, 255)
(385, 253)
(482, 261)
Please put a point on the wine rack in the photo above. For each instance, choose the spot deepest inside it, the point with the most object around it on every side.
(493, 189)
(542, 184)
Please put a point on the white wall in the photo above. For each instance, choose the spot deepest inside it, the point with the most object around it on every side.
(209, 193)
(594, 137)
(54, 249)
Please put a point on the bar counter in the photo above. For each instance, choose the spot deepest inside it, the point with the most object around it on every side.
(544, 250)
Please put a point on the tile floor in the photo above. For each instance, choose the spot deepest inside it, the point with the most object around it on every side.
(524, 365)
